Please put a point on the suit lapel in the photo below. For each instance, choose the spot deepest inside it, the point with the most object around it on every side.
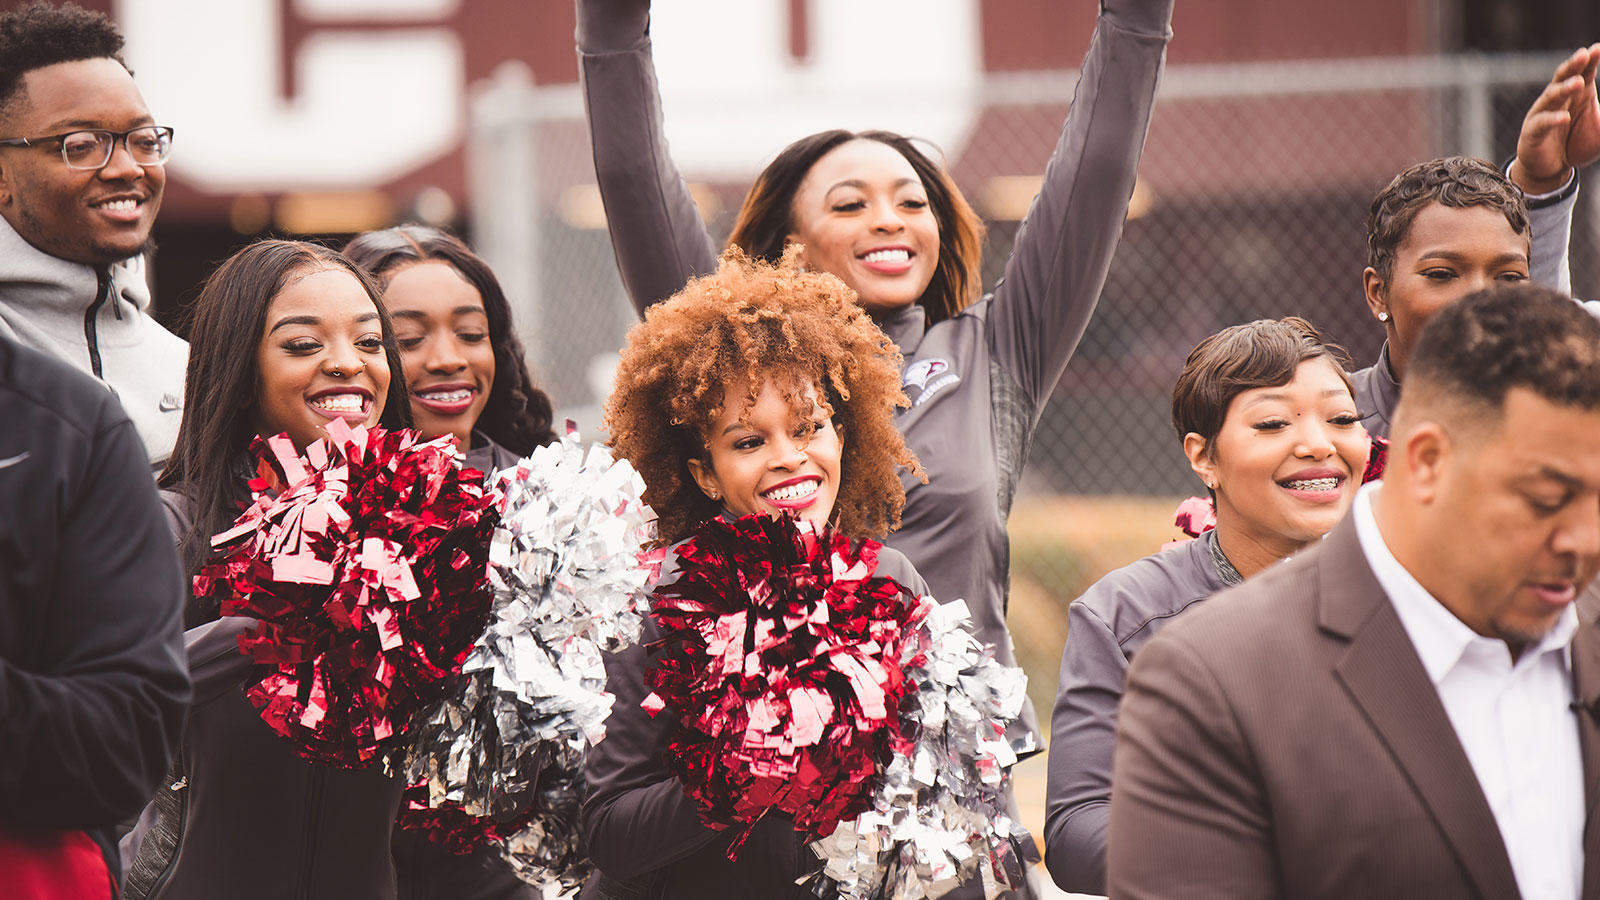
(1586, 679)
(1385, 678)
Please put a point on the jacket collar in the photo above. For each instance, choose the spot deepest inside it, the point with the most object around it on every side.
(37, 284)
(1386, 679)
(905, 327)
(1378, 391)
(487, 456)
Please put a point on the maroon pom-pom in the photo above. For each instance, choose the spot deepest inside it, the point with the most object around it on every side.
(366, 571)
(452, 827)
(1377, 458)
(780, 662)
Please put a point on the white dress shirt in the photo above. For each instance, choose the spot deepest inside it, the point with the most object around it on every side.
(1514, 719)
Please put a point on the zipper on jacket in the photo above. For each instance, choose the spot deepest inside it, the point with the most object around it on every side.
(179, 788)
(91, 328)
(308, 848)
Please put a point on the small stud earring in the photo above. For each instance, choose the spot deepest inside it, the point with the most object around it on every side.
(1383, 317)
(715, 495)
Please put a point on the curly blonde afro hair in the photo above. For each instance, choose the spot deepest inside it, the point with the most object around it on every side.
(738, 328)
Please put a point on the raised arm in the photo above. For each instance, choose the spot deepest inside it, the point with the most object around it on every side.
(656, 232)
(1083, 734)
(91, 723)
(1064, 246)
(1188, 817)
(1559, 135)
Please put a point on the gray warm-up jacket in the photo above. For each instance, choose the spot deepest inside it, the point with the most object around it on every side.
(97, 319)
(1106, 626)
(643, 833)
(977, 382)
(1550, 221)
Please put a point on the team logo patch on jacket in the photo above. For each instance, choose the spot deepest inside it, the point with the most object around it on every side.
(925, 378)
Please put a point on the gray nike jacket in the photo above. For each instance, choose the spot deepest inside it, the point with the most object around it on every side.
(97, 319)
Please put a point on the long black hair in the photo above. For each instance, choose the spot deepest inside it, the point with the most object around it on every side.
(767, 217)
(223, 383)
(517, 414)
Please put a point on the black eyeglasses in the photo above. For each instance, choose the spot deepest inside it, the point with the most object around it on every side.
(148, 145)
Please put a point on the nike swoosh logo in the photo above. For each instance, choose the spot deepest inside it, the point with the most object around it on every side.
(8, 463)
(169, 403)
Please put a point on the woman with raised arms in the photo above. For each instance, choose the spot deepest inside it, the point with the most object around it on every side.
(874, 210)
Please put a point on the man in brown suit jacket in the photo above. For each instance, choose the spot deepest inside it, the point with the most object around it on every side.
(1300, 736)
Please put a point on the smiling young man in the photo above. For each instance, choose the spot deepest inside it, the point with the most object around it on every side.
(81, 177)
(1411, 708)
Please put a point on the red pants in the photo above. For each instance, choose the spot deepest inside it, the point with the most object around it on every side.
(48, 864)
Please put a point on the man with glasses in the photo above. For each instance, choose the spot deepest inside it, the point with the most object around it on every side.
(81, 177)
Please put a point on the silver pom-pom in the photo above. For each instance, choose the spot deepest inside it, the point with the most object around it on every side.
(569, 577)
(939, 816)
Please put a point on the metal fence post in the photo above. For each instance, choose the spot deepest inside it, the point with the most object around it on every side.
(1475, 107)
(503, 159)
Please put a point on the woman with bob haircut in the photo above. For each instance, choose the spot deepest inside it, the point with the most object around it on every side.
(286, 336)
(753, 391)
(465, 368)
(1268, 422)
(467, 375)
(873, 209)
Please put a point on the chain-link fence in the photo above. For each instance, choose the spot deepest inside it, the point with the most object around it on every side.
(1251, 202)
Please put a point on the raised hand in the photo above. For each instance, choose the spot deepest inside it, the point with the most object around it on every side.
(1562, 128)
(609, 25)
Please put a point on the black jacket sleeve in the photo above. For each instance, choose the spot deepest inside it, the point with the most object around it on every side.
(637, 818)
(89, 720)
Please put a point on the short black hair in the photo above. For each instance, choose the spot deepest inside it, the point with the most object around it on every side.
(1263, 353)
(1454, 181)
(1509, 336)
(42, 34)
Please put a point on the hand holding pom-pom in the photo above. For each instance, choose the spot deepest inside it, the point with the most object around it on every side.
(365, 568)
(939, 815)
(500, 760)
(781, 664)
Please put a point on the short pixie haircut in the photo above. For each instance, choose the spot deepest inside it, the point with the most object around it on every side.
(1458, 182)
(1507, 336)
(43, 34)
(746, 324)
(1263, 353)
(766, 219)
